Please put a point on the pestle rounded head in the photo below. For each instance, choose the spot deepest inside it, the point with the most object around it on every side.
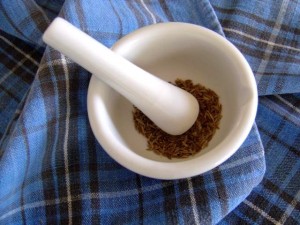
(175, 111)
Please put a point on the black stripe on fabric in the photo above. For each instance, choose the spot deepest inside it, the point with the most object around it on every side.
(60, 175)
(274, 137)
(255, 32)
(141, 199)
(51, 7)
(21, 44)
(262, 202)
(275, 212)
(235, 218)
(60, 156)
(118, 19)
(291, 220)
(11, 22)
(12, 123)
(221, 190)
(256, 48)
(93, 169)
(8, 48)
(257, 200)
(35, 16)
(295, 102)
(11, 56)
(51, 123)
(264, 34)
(267, 221)
(202, 200)
(170, 205)
(257, 51)
(32, 51)
(145, 12)
(22, 69)
(294, 99)
(48, 172)
(269, 185)
(284, 74)
(47, 175)
(280, 84)
(257, 18)
(59, 104)
(74, 151)
(166, 10)
(47, 7)
(75, 190)
(27, 161)
(9, 93)
(185, 202)
(80, 14)
(136, 13)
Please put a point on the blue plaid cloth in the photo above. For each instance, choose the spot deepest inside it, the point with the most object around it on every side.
(52, 169)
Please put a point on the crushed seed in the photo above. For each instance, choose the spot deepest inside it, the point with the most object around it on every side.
(193, 140)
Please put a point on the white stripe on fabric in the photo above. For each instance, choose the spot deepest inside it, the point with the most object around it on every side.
(148, 10)
(66, 160)
(19, 64)
(242, 161)
(290, 208)
(20, 51)
(268, 51)
(88, 196)
(193, 201)
(261, 40)
(55, 62)
(261, 212)
(288, 103)
(280, 110)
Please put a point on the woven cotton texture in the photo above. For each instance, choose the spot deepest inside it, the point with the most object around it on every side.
(52, 169)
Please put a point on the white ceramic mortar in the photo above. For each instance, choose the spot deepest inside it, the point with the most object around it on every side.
(170, 51)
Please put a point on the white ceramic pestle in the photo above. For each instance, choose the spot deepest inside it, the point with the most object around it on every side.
(169, 107)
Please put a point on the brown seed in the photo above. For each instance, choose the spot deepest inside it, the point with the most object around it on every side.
(196, 138)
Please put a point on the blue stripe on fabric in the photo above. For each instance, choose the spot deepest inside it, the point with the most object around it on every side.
(118, 189)
(12, 170)
(290, 137)
(178, 205)
(53, 162)
(144, 15)
(246, 218)
(8, 17)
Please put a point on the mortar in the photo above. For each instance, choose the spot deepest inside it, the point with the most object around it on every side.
(170, 51)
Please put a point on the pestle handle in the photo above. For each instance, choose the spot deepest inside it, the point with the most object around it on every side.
(169, 107)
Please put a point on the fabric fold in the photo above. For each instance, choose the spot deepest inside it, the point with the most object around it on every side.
(53, 169)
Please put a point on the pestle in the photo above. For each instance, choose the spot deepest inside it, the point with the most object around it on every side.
(169, 107)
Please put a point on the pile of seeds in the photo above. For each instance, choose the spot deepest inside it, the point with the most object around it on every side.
(193, 140)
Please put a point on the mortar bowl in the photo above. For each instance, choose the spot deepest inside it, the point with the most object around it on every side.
(169, 51)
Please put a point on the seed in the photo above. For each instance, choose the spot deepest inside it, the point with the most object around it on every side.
(193, 140)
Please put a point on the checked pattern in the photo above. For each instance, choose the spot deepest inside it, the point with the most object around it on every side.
(52, 169)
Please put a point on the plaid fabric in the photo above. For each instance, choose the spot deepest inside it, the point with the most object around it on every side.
(267, 32)
(52, 170)
(276, 200)
(268, 35)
